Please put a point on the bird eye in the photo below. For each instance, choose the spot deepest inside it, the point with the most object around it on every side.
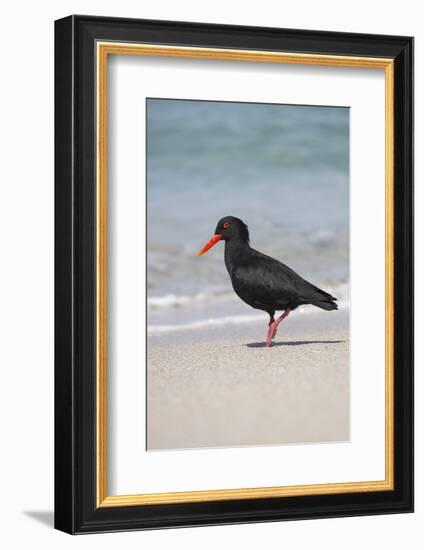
(226, 225)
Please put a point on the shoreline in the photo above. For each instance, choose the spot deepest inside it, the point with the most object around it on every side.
(177, 312)
(252, 326)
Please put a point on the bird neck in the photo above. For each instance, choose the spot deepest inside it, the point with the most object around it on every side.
(235, 251)
(236, 243)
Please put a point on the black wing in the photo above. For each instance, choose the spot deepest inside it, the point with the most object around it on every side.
(267, 283)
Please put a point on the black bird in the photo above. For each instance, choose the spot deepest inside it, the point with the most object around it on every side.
(261, 281)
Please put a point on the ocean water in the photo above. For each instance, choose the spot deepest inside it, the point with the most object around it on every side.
(283, 169)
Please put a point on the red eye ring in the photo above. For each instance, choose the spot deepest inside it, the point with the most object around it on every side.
(226, 225)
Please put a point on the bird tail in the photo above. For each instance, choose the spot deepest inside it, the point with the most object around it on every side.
(313, 295)
(327, 305)
(323, 299)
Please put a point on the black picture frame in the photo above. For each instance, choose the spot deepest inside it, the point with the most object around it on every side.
(76, 510)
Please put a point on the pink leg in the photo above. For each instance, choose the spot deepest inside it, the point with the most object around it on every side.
(278, 321)
(273, 326)
(269, 335)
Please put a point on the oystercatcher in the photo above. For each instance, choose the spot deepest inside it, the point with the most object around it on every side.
(261, 281)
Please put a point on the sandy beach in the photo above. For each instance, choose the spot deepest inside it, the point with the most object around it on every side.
(219, 386)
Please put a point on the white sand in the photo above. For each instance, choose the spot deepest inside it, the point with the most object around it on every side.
(221, 387)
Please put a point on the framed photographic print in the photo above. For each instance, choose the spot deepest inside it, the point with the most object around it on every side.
(233, 274)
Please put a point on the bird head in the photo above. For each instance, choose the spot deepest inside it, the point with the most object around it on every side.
(227, 229)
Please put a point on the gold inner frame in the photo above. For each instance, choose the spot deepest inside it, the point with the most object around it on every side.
(104, 49)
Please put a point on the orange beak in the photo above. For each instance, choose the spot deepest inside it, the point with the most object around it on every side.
(210, 244)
